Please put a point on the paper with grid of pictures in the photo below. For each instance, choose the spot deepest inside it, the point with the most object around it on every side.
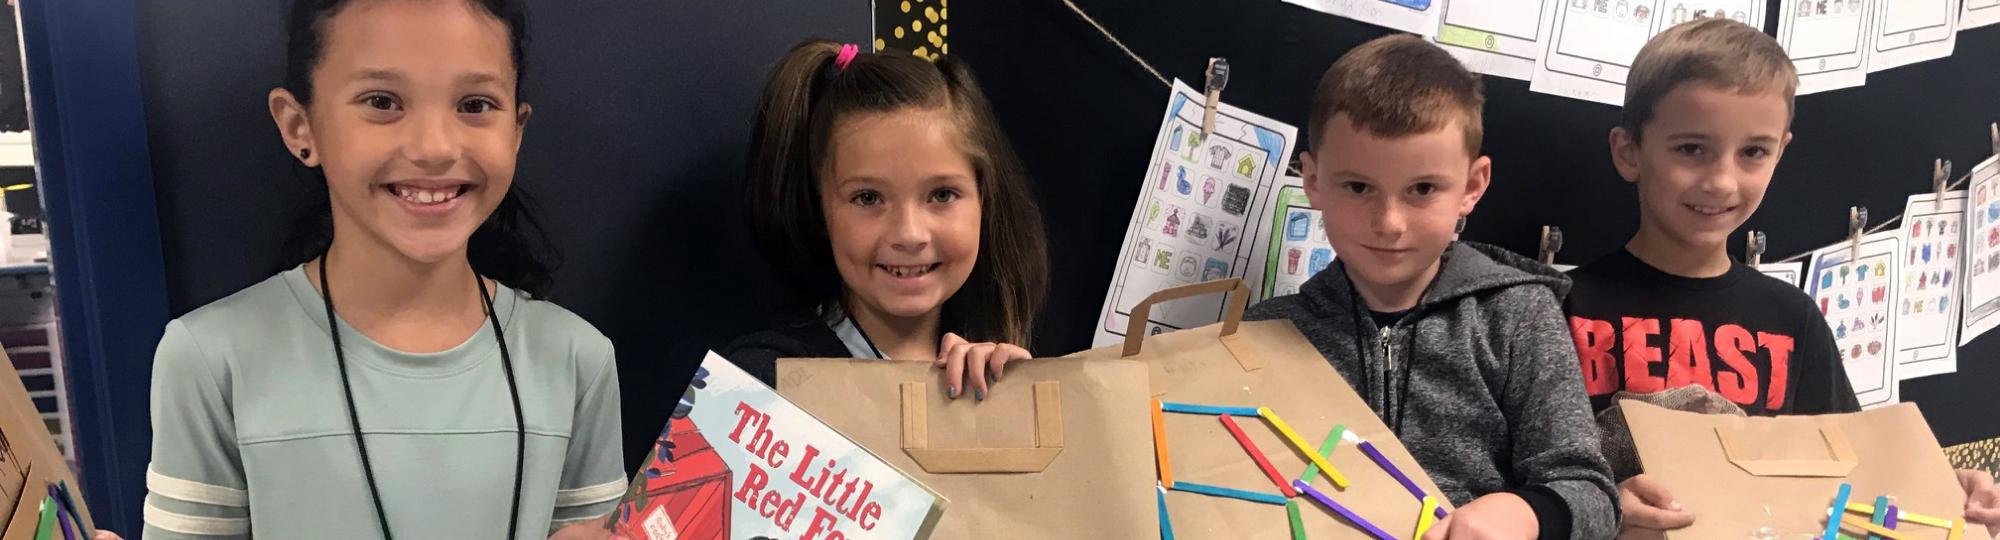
(1493, 37)
(1977, 13)
(1909, 31)
(1857, 297)
(1786, 272)
(1927, 305)
(1292, 248)
(1418, 17)
(1982, 253)
(1827, 40)
(1200, 202)
(1590, 44)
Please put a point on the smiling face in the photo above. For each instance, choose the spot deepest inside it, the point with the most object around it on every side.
(902, 211)
(1703, 162)
(1392, 204)
(413, 120)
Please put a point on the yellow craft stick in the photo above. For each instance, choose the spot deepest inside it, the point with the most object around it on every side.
(1339, 480)
(1902, 515)
(1425, 520)
(1871, 528)
(1160, 447)
(1957, 529)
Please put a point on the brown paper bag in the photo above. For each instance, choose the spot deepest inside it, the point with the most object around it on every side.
(1059, 449)
(29, 461)
(1729, 469)
(1268, 364)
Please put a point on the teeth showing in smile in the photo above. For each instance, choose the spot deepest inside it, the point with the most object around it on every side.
(426, 196)
(908, 271)
(1708, 210)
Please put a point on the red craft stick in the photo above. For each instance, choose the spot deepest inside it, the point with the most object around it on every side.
(1258, 455)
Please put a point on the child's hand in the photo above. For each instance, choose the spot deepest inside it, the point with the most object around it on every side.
(976, 364)
(1647, 504)
(1499, 516)
(105, 535)
(1982, 499)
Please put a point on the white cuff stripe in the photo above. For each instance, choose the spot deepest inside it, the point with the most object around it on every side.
(608, 491)
(186, 524)
(195, 492)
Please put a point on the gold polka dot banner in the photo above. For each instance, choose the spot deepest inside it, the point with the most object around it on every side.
(1982, 455)
(919, 27)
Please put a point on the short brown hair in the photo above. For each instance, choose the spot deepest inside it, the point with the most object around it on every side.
(1715, 52)
(1396, 86)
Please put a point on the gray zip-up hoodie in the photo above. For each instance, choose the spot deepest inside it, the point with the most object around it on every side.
(1479, 380)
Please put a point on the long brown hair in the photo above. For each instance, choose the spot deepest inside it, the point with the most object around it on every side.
(806, 97)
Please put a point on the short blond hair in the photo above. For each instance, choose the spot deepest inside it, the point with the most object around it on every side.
(1719, 53)
(1396, 86)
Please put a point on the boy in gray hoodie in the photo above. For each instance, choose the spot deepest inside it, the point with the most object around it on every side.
(1460, 348)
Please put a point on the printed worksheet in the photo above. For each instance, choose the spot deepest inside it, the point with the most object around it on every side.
(1982, 252)
(1911, 31)
(1291, 247)
(1494, 37)
(1827, 41)
(1857, 297)
(1927, 304)
(1786, 272)
(1977, 13)
(1591, 43)
(1418, 17)
(1201, 199)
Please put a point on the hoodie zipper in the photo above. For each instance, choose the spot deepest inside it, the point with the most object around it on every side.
(1391, 401)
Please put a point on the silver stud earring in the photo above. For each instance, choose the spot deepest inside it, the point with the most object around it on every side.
(1460, 229)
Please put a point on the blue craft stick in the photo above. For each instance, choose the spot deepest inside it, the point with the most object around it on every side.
(1166, 525)
(1187, 408)
(1881, 515)
(1833, 521)
(1251, 496)
(1351, 517)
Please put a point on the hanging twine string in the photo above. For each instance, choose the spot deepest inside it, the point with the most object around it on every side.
(1117, 43)
(1955, 185)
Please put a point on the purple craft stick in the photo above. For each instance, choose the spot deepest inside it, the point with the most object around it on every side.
(1352, 517)
(1383, 462)
(1890, 521)
(62, 511)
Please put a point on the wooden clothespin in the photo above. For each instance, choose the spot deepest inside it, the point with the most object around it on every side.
(1753, 248)
(1857, 224)
(1552, 242)
(1993, 131)
(1217, 78)
(1940, 176)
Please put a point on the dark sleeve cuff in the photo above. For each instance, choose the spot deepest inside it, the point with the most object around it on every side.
(1550, 510)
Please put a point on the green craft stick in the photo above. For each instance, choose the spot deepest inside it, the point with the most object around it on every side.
(1298, 526)
(1325, 451)
(47, 529)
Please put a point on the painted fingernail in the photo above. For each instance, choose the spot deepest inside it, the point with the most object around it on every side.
(952, 391)
(978, 395)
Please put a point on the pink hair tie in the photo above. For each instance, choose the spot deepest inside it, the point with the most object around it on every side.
(846, 56)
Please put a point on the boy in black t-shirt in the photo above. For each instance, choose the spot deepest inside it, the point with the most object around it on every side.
(1708, 109)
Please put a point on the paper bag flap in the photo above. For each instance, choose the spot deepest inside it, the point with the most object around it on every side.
(1232, 315)
(1839, 459)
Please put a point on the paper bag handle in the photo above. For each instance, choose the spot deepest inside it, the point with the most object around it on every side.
(1232, 313)
(1839, 464)
(1048, 437)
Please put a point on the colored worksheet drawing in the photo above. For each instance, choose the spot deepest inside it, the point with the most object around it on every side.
(1494, 37)
(1418, 17)
(1857, 296)
(1293, 248)
(1201, 201)
(1927, 300)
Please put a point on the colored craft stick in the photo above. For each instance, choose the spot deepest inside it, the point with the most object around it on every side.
(1325, 450)
(1298, 525)
(46, 529)
(1349, 515)
(1160, 447)
(70, 503)
(1839, 501)
(62, 513)
(1339, 480)
(1957, 529)
(1881, 514)
(1257, 455)
(1166, 525)
(1382, 461)
(1870, 528)
(1215, 491)
(1427, 518)
(1890, 522)
(1903, 516)
(1189, 408)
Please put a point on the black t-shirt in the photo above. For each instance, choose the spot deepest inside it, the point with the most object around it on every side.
(1757, 341)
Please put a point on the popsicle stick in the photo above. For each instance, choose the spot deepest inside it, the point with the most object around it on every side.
(1325, 450)
(1215, 491)
(1839, 501)
(1160, 447)
(1298, 525)
(1339, 480)
(1957, 530)
(1904, 516)
(1881, 514)
(1349, 515)
(1211, 410)
(1166, 525)
(1872, 529)
(1427, 518)
(1257, 455)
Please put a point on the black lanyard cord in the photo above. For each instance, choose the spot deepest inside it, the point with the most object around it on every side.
(354, 417)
